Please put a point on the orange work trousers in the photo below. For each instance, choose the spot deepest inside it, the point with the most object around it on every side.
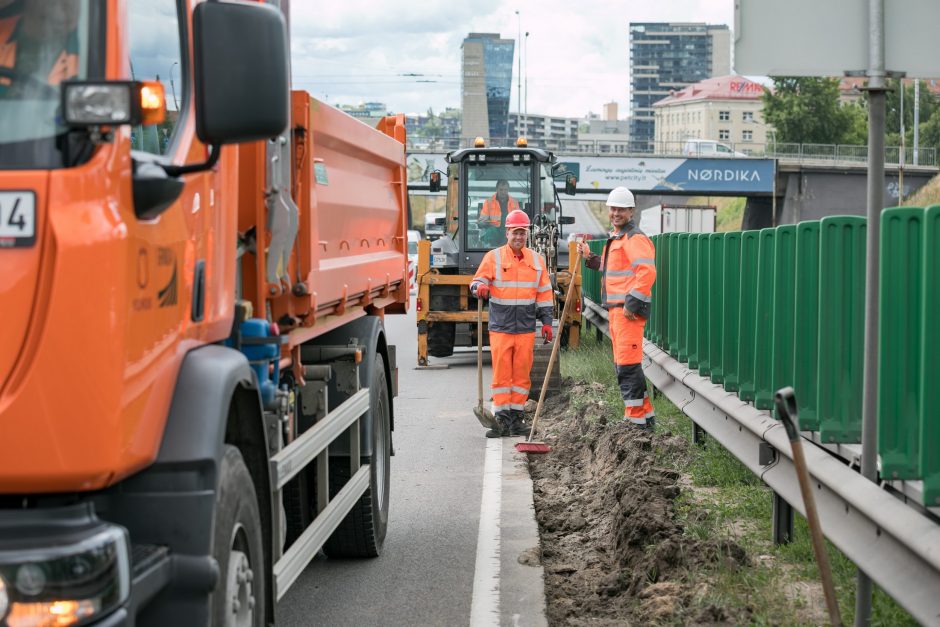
(627, 337)
(512, 355)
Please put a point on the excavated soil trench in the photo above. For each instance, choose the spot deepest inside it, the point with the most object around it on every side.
(611, 546)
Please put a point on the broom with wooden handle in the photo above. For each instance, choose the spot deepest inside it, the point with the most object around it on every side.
(530, 446)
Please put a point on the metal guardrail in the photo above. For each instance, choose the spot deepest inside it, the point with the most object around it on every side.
(897, 545)
(800, 153)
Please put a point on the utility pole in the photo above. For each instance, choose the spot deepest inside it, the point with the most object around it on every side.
(519, 77)
(876, 180)
(916, 116)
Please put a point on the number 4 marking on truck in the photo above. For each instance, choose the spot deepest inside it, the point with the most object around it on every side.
(13, 220)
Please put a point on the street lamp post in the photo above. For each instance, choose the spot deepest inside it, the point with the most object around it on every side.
(519, 77)
(173, 87)
(527, 76)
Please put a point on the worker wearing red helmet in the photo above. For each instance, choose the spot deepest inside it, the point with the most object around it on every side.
(516, 282)
(629, 272)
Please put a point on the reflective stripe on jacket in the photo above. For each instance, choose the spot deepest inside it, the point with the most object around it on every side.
(492, 213)
(629, 270)
(520, 291)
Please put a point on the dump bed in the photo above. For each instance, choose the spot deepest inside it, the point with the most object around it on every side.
(351, 250)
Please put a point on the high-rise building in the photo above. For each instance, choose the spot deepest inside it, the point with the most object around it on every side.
(667, 56)
(610, 111)
(486, 81)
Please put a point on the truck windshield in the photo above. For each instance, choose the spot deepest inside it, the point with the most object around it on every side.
(493, 190)
(42, 43)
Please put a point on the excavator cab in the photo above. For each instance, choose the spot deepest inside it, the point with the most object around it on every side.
(483, 186)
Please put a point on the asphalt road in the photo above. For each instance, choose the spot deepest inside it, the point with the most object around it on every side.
(425, 575)
(584, 220)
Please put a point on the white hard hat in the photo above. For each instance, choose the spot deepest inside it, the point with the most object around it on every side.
(621, 197)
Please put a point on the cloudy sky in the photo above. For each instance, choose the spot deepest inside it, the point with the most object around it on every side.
(407, 54)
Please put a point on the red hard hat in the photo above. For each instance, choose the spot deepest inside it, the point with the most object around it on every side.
(516, 219)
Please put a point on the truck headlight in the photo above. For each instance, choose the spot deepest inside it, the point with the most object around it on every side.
(65, 583)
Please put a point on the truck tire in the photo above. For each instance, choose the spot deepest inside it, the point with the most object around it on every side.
(238, 547)
(362, 532)
(441, 336)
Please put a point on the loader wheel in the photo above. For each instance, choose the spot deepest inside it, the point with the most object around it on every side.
(238, 547)
(441, 336)
(543, 353)
(362, 532)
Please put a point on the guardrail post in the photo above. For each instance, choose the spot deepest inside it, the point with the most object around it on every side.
(699, 435)
(783, 521)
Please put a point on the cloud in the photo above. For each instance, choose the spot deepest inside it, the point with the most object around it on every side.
(407, 54)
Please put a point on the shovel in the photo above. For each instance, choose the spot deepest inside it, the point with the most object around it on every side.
(786, 408)
(485, 416)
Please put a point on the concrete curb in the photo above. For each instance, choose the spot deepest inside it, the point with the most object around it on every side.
(522, 578)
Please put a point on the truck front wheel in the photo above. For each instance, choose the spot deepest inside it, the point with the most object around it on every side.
(238, 547)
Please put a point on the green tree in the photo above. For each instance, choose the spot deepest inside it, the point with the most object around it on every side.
(807, 110)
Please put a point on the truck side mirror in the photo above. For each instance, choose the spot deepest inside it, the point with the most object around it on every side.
(241, 72)
(435, 181)
(571, 184)
(566, 220)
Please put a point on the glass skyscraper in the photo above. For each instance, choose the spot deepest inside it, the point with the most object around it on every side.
(667, 56)
(486, 82)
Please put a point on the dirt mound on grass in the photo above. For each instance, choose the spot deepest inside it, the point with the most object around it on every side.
(612, 549)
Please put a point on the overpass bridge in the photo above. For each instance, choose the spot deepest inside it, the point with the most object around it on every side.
(783, 183)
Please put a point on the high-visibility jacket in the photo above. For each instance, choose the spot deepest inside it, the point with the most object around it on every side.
(520, 291)
(492, 213)
(628, 264)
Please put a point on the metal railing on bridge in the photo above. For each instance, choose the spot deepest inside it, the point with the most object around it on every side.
(792, 152)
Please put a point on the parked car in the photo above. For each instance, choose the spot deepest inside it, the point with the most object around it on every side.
(709, 148)
(413, 238)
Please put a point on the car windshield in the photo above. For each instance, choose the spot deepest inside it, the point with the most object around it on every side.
(493, 190)
(42, 43)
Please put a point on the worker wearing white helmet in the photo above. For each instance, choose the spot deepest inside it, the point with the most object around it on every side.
(516, 282)
(629, 272)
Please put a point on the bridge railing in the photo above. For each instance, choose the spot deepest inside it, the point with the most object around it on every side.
(802, 153)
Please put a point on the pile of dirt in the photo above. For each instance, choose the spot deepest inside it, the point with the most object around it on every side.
(611, 546)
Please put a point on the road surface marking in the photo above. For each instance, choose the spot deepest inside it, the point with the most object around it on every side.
(484, 607)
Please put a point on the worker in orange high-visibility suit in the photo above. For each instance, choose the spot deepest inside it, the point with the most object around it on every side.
(516, 282)
(628, 265)
(496, 206)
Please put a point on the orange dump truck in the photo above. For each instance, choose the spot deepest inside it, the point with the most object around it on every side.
(196, 386)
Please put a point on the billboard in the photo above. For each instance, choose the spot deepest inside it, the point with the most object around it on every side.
(677, 175)
(830, 38)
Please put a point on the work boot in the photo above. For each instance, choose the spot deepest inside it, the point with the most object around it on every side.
(517, 425)
(501, 430)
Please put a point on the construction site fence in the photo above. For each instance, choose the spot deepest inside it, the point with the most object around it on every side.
(755, 311)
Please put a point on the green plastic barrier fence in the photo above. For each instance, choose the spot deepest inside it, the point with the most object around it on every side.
(784, 303)
(764, 329)
(806, 323)
(747, 314)
(725, 351)
(706, 286)
(900, 330)
(682, 311)
(930, 363)
(694, 313)
(710, 362)
(841, 327)
(675, 270)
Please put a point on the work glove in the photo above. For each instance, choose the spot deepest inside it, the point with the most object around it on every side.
(483, 291)
(547, 332)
